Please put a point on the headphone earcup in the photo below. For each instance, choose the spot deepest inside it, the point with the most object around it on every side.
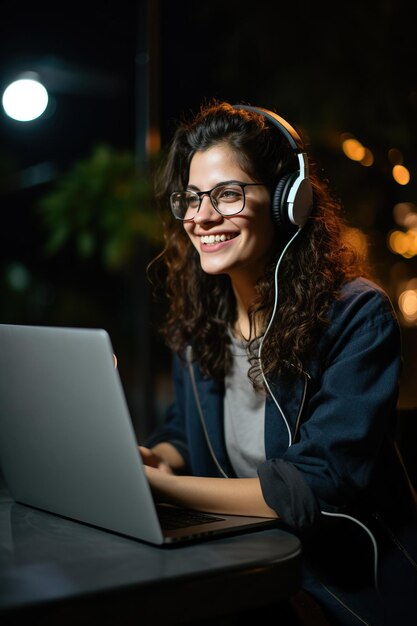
(291, 203)
(279, 206)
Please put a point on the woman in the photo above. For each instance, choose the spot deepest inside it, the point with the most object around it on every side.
(286, 363)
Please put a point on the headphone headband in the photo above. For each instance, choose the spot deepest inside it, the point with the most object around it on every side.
(287, 130)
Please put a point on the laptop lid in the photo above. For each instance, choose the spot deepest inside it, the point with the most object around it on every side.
(67, 443)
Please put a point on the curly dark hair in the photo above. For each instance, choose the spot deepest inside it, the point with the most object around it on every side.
(202, 307)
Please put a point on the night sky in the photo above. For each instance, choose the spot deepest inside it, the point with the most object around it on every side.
(350, 69)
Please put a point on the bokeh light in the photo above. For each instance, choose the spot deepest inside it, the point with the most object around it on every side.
(401, 174)
(25, 99)
(407, 303)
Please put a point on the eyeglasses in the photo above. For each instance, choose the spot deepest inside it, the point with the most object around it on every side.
(227, 198)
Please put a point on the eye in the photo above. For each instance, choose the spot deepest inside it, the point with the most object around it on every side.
(191, 199)
(229, 193)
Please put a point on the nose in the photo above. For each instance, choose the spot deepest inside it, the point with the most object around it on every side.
(207, 212)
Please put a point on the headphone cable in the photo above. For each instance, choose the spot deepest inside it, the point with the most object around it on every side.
(271, 320)
(342, 515)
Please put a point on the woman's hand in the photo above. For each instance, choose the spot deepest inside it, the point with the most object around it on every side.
(238, 496)
(150, 458)
(164, 469)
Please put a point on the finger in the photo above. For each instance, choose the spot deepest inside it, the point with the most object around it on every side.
(165, 468)
(147, 455)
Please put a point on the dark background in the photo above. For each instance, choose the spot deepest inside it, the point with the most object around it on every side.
(115, 70)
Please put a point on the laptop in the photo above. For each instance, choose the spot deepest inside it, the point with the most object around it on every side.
(67, 443)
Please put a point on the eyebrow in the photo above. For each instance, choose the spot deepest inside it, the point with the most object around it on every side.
(223, 182)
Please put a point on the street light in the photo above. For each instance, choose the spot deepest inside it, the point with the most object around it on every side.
(25, 99)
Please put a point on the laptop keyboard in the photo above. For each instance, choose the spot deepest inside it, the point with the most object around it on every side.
(172, 518)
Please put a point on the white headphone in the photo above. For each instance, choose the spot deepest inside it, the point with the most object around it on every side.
(292, 198)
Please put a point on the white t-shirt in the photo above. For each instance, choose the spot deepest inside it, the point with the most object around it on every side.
(244, 416)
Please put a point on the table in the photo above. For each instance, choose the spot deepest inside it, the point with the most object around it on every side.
(57, 571)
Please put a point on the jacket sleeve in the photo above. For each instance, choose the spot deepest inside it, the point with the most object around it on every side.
(173, 430)
(348, 413)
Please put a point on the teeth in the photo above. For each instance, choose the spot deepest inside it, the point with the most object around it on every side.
(210, 239)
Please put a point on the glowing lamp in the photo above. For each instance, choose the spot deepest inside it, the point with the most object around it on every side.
(25, 99)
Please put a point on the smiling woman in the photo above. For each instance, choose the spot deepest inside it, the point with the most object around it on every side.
(241, 242)
(286, 364)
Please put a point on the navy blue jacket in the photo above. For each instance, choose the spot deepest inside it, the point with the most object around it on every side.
(339, 485)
